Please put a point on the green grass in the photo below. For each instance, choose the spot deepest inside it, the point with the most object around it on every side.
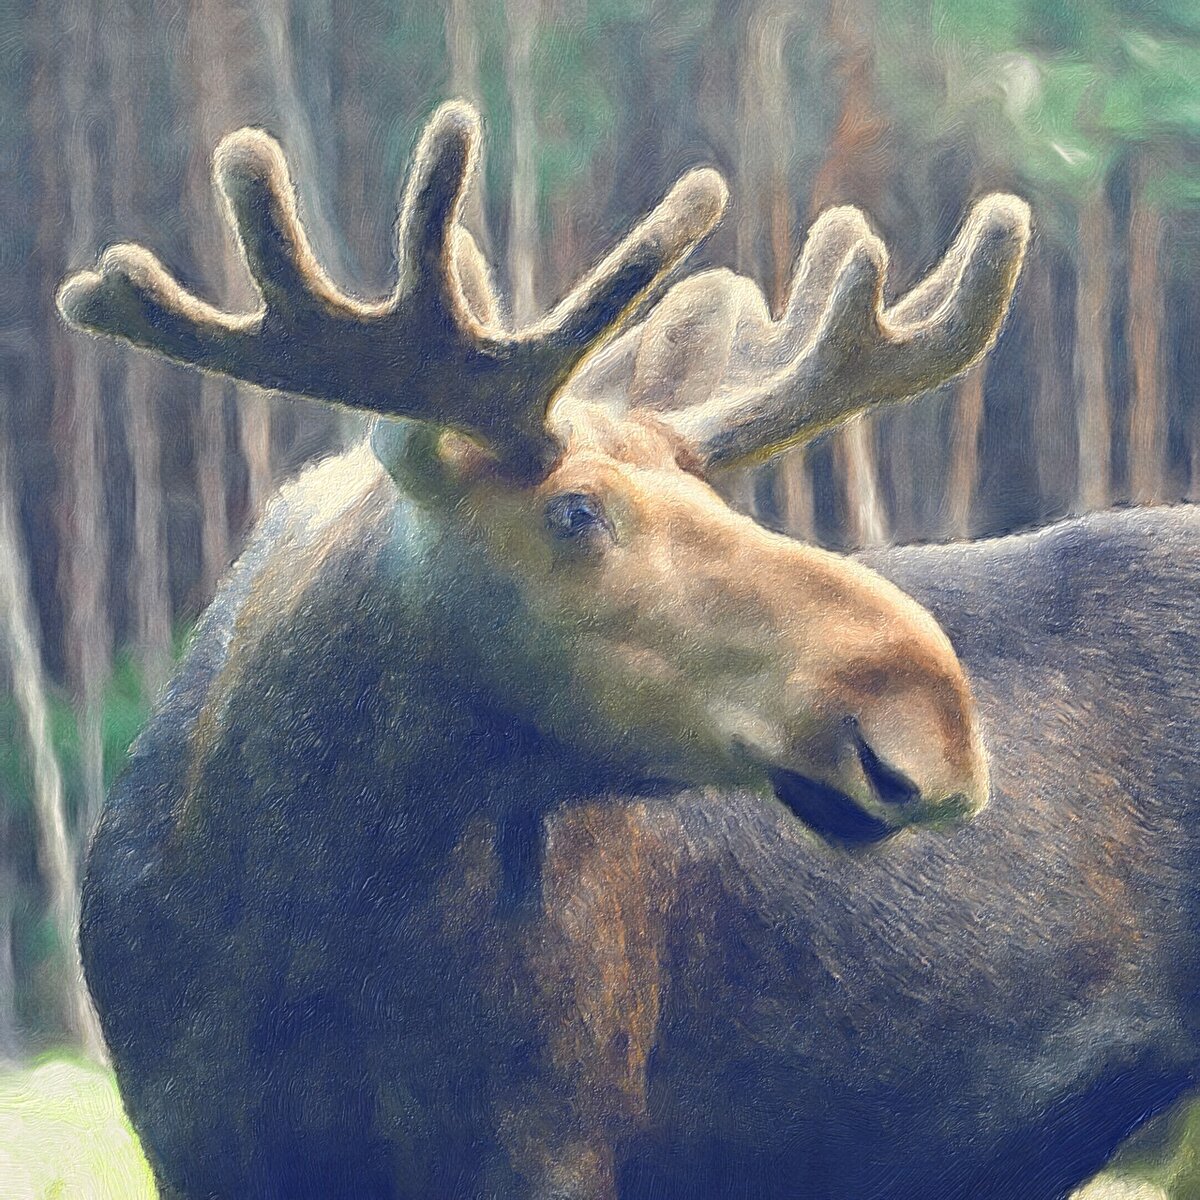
(1161, 1160)
(64, 1136)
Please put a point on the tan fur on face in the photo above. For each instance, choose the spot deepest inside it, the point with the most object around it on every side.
(707, 649)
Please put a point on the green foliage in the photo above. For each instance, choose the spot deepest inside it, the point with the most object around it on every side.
(1163, 1155)
(1058, 93)
(125, 707)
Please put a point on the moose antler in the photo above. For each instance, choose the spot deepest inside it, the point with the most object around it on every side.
(737, 385)
(435, 349)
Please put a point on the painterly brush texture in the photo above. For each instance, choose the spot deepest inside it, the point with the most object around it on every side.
(525, 818)
(63, 1133)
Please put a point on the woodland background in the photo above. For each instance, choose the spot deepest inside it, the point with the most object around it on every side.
(127, 485)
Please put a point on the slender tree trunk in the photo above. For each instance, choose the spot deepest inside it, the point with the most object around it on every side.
(1148, 409)
(851, 173)
(353, 121)
(1055, 437)
(302, 96)
(252, 408)
(10, 1030)
(78, 407)
(965, 427)
(366, 231)
(211, 484)
(150, 593)
(855, 447)
(1093, 316)
(462, 48)
(242, 62)
(1193, 492)
(148, 589)
(764, 229)
(55, 854)
(523, 16)
(209, 71)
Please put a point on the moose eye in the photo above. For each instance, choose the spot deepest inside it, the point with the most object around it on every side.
(576, 515)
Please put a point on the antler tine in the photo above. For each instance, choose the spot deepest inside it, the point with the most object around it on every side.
(251, 174)
(598, 302)
(837, 351)
(446, 158)
(438, 348)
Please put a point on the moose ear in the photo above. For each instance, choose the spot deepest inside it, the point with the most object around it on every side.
(429, 463)
(674, 357)
(682, 353)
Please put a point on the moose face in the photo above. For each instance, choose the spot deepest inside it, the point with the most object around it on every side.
(677, 636)
(643, 618)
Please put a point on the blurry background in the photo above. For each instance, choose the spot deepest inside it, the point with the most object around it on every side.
(127, 485)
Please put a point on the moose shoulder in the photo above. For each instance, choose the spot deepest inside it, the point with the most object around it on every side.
(521, 820)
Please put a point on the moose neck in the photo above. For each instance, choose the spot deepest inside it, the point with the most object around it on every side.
(435, 710)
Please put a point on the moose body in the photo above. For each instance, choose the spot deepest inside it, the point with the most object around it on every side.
(526, 822)
(327, 982)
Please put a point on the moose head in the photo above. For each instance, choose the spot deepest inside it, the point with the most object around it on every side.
(581, 555)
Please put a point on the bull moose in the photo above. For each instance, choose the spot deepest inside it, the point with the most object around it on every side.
(524, 822)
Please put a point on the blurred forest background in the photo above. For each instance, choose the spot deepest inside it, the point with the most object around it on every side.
(127, 485)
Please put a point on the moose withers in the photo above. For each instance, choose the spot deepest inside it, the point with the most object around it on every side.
(371, 911)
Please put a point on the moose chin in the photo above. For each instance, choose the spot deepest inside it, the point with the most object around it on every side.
(525, 822)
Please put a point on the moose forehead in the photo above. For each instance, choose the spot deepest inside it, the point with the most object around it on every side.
(593, 435)
(641, 465)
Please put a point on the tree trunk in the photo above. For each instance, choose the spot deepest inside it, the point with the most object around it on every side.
(1093, 334)
(855, 450)
(143, 379)
(851, 173)
(10, 1030)
(301, 97)
(78, 408)
(208, 70)
(1055, 439)
(462, 48)
(764, 230)
(150, 593)
(1193, 492)
(219, 42)
(523, 17)
(966, 425)
(55, 854)
(1148, 408)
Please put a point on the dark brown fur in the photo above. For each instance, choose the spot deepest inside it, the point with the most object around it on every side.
(329, 992)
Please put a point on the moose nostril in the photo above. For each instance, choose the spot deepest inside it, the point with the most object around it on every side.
(891, 785)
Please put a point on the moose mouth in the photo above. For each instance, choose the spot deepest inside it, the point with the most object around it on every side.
(833, 815)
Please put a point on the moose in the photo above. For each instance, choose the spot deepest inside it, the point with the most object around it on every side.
(525, 822)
